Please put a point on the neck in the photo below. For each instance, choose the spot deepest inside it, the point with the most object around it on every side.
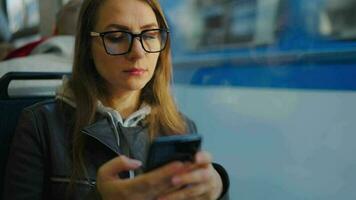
(125, 104)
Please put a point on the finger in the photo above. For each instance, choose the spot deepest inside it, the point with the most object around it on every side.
(110, 169)
(159, 180)
(197, 176)
(203, 157)
(191, 192)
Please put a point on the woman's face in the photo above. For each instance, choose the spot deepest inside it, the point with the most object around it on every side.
(131, 71)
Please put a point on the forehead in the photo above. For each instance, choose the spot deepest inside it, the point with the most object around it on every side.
(129, 13)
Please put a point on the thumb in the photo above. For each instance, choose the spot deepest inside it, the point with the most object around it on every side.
(110, 169)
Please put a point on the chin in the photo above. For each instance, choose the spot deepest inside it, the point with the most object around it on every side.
(136, 86)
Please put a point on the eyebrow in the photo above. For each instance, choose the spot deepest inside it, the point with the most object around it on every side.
(126, 28)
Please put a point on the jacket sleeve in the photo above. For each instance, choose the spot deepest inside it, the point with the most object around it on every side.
(192, 128)
(225, 180)
(24, 177)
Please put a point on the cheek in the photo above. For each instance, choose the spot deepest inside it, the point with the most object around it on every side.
(96, 56)
(153, 62)
(101, 60)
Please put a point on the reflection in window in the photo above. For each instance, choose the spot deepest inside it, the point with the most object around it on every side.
(236, 22)
(226, 22)
(242, 25)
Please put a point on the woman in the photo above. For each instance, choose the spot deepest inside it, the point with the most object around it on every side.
(103, 119)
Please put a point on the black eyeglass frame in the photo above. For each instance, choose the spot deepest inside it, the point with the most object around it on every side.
(133, 36)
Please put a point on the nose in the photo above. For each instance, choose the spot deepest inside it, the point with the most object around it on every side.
(137, 50)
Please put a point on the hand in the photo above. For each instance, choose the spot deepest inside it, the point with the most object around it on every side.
(144, 187)
(201, 182)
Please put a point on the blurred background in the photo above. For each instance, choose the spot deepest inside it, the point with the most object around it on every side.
(271, 85)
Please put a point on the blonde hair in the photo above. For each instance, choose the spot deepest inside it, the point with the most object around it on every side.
(88, 86)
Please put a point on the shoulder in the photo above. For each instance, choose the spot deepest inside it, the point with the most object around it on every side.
(51, 111)
(47, 105)
(46, 122)
(35, 124)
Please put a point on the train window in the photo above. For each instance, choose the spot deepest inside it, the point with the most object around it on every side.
(5, 34)
(23, 17)
(338, 19)
(227, 23)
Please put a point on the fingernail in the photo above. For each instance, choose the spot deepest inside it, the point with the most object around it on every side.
(136, 162)
(176, 180)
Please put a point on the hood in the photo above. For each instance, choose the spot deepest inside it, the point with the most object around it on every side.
(65, 94)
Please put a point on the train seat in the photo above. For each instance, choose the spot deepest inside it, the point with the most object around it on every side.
(11, 106)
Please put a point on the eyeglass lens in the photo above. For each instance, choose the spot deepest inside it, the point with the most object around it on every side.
(120, 42)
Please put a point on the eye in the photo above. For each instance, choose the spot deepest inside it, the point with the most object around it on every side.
(117, 37)
(151, 35)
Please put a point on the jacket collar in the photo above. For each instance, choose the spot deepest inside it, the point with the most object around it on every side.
(105, 128)
(101, 130)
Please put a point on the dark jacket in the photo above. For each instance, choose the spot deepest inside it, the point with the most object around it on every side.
(39, 164)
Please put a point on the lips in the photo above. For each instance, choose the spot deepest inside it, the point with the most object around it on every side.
(135, 71)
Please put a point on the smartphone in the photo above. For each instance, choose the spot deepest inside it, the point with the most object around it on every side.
(166, 149)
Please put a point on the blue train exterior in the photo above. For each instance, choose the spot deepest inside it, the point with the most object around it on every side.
(271, 85)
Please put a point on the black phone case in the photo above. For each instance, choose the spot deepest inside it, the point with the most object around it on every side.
(171, 148)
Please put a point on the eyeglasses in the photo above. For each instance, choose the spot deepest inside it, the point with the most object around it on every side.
(120, 42)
